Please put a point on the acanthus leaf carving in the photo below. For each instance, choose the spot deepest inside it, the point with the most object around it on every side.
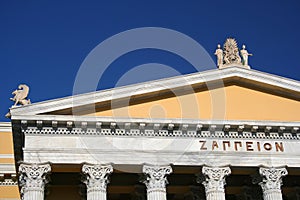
(272, 178)
(156, 176)
(214, 178)
(33, 177)
(96, 176)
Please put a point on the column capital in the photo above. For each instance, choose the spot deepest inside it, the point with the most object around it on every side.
(96, 175)
(272, 177)
(33, 177)
(34, 174)
(156, 176)
(215, 178)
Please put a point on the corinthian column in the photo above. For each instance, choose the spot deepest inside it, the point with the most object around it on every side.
(96, 180)
(272, 181)
(156, 181)
(33, 180)
(214, 182)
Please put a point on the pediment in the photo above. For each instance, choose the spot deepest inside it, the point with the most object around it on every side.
(232, 93)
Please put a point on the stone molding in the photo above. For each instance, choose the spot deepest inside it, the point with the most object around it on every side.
(214, 178)
(5, 127)
(198, 129)
(7, 168)
(96, 176)
(272, 179)
(156, 177)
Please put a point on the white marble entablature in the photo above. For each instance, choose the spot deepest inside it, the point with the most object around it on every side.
(111, 140)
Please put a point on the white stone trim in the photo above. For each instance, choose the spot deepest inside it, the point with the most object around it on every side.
(7, 169)
(108, 126)
(154, 86)
(6, 156)
(5, 127)
(158, 133)
(148, 120)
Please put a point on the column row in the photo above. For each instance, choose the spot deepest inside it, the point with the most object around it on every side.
(33, 179)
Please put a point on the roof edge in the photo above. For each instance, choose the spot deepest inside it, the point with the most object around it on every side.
(156, 85)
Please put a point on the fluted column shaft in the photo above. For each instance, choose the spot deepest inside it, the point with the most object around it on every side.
(33, 180)
(96, 180)
(214, 182)
(156, 181)
(272, 181)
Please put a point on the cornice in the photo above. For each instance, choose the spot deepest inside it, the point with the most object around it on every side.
(129, 127)
(158, 85)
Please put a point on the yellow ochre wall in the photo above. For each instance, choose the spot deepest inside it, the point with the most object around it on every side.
(7, 160)
(230, 103)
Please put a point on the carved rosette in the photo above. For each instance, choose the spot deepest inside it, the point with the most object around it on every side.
(156, 177)
(272, 181)
(215, 179)
(96, 176)
(33, 179)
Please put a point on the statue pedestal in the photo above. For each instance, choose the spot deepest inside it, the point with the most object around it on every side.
(234, 65)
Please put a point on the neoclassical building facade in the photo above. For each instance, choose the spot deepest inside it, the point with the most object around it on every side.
(230, 133)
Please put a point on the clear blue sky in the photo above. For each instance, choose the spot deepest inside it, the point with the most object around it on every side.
(43, 43)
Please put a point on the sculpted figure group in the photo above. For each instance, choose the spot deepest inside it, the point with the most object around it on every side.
(230, 54)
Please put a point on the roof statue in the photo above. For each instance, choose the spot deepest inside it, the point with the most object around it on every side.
(20, 96)
(231, 55)
(245, 55)
(231, 52)
(219, 54)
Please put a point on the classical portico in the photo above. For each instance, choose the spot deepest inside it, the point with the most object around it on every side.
(85, 147)
(181, 153)
(33, 178)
